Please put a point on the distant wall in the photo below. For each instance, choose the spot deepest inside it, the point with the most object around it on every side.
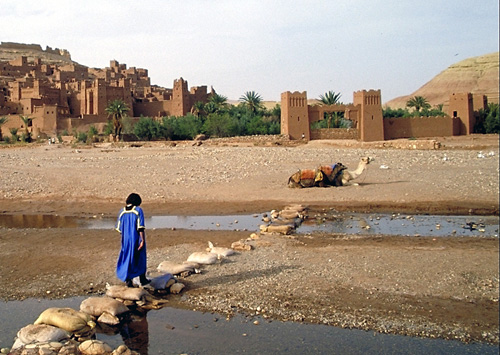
(335, 133)
(153, 109)
(13, 45)
(395, 128)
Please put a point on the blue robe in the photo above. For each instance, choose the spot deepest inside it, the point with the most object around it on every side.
(131, 262)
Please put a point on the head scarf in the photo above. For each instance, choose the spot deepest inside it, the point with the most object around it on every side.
(133, 200)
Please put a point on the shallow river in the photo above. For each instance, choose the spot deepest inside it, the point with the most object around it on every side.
(346, 223)
(176, 331)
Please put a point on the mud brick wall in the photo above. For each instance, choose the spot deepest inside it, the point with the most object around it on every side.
(419, 127)
(334, 133)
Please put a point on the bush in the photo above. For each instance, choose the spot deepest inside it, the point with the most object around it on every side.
(147, 129)
(109, 128)
(181, 128)
(81, 137)
(221, 125)
(492, 120)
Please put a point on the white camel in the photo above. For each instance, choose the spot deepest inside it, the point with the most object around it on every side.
(348, 176)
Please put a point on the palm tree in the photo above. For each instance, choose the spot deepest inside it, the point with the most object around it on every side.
(117, 109)
(13, 133)
(252, 101)
(27, 122)
(198, 109)
(2, 121)
(331, 98)
(216, 104)
(418, 102)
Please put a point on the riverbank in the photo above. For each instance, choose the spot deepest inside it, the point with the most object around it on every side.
(436, 287)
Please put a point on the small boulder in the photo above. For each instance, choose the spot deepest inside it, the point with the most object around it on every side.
(241, 245)
(94, 347)
(177, 288)
(108, 318)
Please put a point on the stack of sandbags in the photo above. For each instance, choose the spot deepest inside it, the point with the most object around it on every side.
(134, 297)
(39, 334)
(105, 309)
(284, 221)
(78, 323)
(181, 269)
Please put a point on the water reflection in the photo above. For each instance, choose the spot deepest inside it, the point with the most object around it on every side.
(349, 223)
(135, 333)
(37, 221)
(176, 331)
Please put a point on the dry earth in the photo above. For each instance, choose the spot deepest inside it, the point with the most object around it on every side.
(437, 287)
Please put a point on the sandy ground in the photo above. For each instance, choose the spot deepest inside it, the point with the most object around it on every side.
(437, 287)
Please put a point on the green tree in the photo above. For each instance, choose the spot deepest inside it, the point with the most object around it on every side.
(2, 121)
(117, 109)
(252, 101)
(222, 125)
(418, 103)
(148, 129)
(181, 128)
(331, 98)
(492, 120)
(393, 113)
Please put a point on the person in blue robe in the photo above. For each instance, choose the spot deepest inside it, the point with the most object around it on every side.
(132, 261)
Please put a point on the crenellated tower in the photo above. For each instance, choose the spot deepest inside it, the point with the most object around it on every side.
(371, 123)
(294, 115)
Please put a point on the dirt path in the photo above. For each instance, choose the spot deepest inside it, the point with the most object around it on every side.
(444, 287)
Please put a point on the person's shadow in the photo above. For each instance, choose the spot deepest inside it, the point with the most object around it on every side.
(135, 332)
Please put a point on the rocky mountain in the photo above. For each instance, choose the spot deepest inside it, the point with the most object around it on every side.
(477, 75)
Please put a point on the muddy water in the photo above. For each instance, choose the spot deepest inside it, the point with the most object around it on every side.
(347, 223)
(175, 331)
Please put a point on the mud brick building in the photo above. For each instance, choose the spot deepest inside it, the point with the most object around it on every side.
(368, 123)
(69, 96)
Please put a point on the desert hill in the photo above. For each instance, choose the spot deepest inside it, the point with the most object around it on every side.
(10, 51)
(477, 75)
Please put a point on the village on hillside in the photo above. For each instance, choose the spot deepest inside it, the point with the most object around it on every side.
(44, 99)
(65, 96)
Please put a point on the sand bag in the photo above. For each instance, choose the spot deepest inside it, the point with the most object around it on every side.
(220, 251)
(95, 306)
(170, 267)
(127, 293)
(282, 229)
(66, 318)
(201, 257)
(162, 282)
(39, 333)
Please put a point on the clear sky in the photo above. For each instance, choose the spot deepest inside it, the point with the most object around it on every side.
(265, 46)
